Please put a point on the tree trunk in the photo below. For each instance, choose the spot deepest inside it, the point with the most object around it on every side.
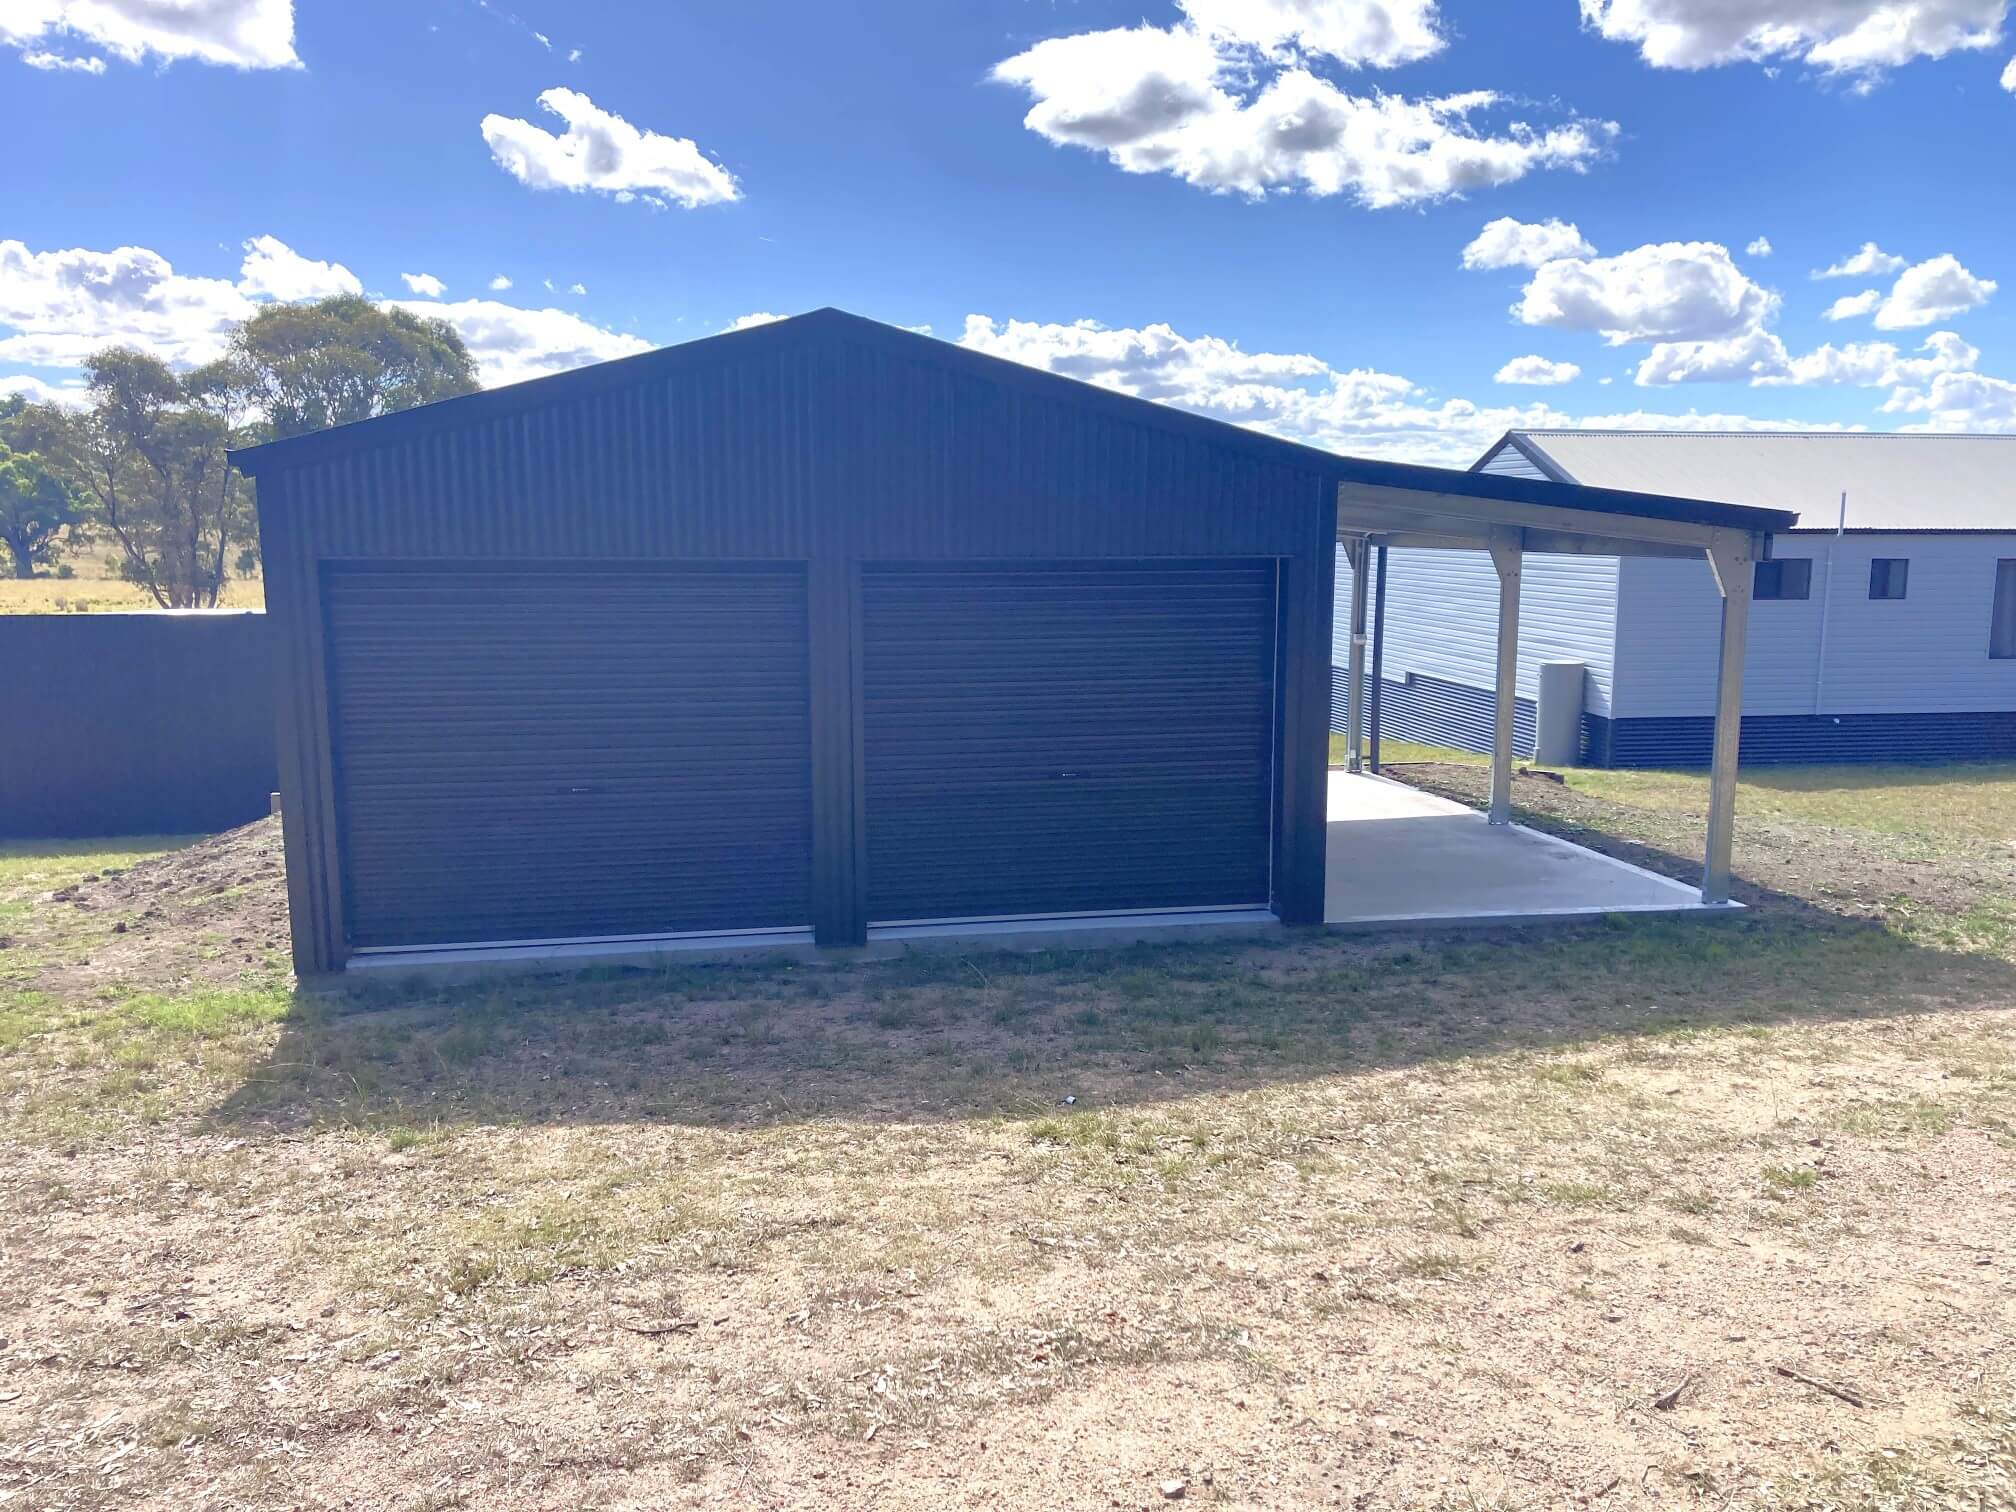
(22, 558)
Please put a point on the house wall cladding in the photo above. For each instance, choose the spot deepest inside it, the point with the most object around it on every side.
(1926, 653)
(835, 453)
(1442, 620)
(135, 723)
(1436, 712)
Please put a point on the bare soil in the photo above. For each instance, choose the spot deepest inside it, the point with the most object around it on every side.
(1521, 1220)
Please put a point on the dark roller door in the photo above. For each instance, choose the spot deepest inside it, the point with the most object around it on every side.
(541, 753)
(1080, 738)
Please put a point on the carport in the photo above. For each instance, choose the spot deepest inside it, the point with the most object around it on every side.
(824, 635)
(1462, 872)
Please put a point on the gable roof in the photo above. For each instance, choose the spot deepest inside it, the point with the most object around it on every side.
(1893, 482)
(827, 326)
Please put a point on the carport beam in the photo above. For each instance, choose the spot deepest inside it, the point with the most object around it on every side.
(1735, 563)
(1354, 707)
(1507, 547)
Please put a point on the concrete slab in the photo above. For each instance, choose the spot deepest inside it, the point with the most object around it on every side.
(1398, 855)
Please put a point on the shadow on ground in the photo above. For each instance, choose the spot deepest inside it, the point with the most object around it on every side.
(946, 1036)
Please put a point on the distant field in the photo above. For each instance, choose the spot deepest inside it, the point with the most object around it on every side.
(97, 588)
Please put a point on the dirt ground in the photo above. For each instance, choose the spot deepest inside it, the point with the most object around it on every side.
(1638, 1215)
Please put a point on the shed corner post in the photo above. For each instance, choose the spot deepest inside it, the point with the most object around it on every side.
(1507, 554)
(1733, 555)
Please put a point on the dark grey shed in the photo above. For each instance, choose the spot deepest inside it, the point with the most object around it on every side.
(815, 627)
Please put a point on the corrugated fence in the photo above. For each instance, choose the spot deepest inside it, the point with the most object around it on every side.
(134, 723)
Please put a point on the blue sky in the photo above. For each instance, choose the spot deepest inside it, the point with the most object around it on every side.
(1255, 208)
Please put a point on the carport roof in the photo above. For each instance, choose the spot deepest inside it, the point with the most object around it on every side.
(830, 324)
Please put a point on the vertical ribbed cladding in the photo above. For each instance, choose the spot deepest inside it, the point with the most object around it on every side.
(831, 444)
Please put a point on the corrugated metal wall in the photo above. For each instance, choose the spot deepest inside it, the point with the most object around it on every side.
(814, 444)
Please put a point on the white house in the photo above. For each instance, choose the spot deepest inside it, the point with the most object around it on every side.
(1884, 628)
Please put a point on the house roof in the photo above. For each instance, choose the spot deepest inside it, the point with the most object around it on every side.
(830, 325)
(1893, 482)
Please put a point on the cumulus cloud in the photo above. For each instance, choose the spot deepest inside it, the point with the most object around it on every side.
(1509, 243)
(1227, 99)
(1665, 291)
(602, 152)
(1760, 359)
(1879, 364)
(424, 283)
(1539, 371)
(1853, 306)
(50, 62)
(1297, 396)
(274, 270)
(1836, 36)
(231, 33)
(1936, 289)
(2009, 77)
(1760, 247)
(1959, 402)
(499, 284)
(752, 320)
(1870, 262)
(511, 344)
(59, 307)
(35, 391)
(1355, 33)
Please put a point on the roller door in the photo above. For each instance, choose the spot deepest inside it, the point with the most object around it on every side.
(1067, 738)
(574, 751)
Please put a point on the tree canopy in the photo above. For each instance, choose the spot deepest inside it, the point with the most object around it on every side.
(146, 461)
(36, 502)
(306, 367)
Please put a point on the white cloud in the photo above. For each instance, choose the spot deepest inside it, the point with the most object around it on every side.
(1539, 371)
(424, 283)
(1226, 100)
(511, 344)
(499, 284)
(1760, 359)
(603, 152)
(1508, 243)
(1760, 248)
(1749, 356)
(50, 62)
(1666, 291)
(2009, 77)
(573, 55)
(1837, 36)
(1870, 262)
(233, 33)
(577, 288)
(1936, 289)
(1296, 396)
(1355, 33)
(752, 320)
(1959, 402)
(1879, 364)
(274, 270)
(35, 391)
(59, 307)
(1853, 306)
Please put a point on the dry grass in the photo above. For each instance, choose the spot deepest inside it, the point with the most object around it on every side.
(1415, 1223)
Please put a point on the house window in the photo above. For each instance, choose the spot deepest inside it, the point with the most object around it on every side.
(2002, 626)
(1887, 576)
(1789, 578)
